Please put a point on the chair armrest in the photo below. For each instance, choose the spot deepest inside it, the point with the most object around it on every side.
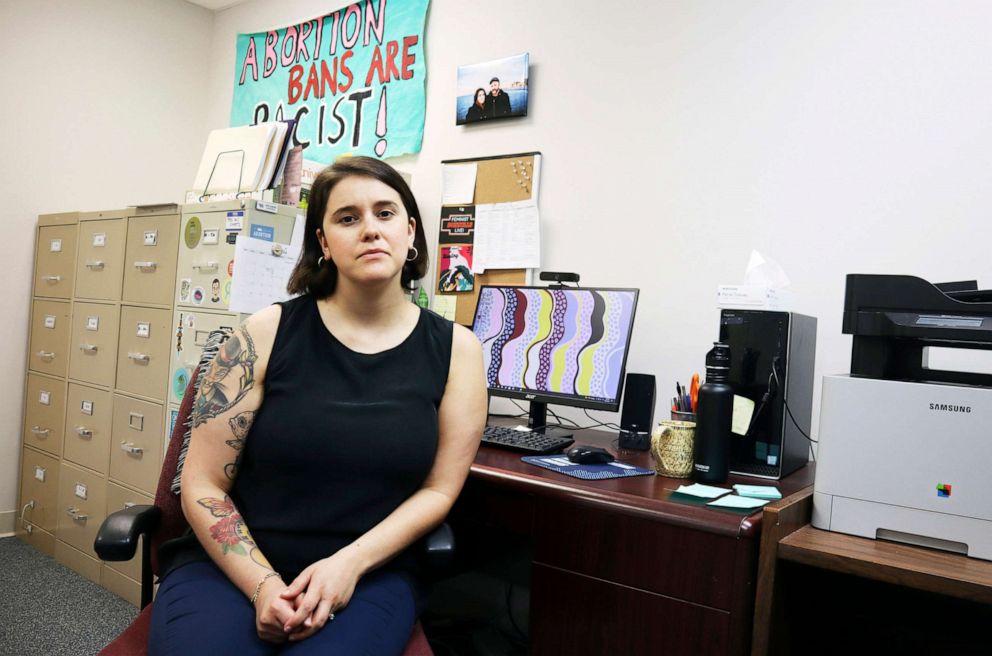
(439, 548)
(118, 536)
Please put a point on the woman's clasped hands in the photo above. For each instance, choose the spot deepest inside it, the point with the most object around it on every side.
(320, 590)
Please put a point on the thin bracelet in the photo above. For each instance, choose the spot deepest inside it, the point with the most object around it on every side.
(258, 588)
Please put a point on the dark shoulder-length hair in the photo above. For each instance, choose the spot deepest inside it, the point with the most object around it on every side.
(308, 277)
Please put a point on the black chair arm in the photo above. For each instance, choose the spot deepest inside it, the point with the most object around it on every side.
(119, 533)
(439, 548)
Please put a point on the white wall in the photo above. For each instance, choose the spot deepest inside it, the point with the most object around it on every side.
(94, 115)
(834, 136)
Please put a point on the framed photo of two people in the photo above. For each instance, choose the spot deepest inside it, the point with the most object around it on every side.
(492, 90)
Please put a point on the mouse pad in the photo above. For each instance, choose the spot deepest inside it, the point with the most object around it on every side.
(563, 465)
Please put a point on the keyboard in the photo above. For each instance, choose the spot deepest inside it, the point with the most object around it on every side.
(533, 442)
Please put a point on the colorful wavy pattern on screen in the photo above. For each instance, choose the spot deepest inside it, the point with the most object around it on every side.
(554, 340)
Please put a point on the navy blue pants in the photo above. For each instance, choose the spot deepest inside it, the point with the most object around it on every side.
(199, 611)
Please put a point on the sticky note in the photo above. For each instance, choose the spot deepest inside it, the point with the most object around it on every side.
(743, 411)
(446, 306)
(758, 491)
(734, 501)
(703, 491)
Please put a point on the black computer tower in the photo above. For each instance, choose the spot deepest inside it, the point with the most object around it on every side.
(773, 445)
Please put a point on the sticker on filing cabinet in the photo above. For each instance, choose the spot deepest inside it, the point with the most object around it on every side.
(45, 398)
(230, 268)
(136, 421)
(179, 382)
(263, 232)
(151, 237)
(225, 294)
(99, 239)
(86, 407)
(55, 246)
(184, 286)
(265, 206)
(144, 329)
(192, 231)
(80, 490)
(92, 323)
(39, 474)
(49, 321)
(198, 296)
(235, 221)
(232, 238)
(189, 320)
(210, 237)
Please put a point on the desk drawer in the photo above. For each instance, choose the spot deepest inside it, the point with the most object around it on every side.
(576, 615)
(644, 553)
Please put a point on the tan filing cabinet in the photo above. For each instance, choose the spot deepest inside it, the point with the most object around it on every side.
(76, 560)
(88, 419)
(50, 327)
(143, 357)
(100, 255)
(82, 507)
(136, 448)
(152, 241)
(39, 494)
(44, 409)
(93, 352)
(55, 256)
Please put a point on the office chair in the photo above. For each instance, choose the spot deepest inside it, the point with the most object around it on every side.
(117, 540)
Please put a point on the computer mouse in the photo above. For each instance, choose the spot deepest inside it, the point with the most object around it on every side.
(589, 455)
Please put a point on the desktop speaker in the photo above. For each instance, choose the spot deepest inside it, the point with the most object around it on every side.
(637, 415)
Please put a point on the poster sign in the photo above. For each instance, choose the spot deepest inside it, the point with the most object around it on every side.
(353, 79)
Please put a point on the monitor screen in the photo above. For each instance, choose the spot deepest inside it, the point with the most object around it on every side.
(566, 346)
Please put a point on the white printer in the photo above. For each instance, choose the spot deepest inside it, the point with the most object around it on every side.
(905, 451)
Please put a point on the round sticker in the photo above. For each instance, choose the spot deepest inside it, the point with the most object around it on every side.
(198, 295)
(226, 295)
(230, 268)
(179, 382)
(192, 232)
(189, 320)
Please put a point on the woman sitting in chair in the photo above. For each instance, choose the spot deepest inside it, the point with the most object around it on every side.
(330, 433)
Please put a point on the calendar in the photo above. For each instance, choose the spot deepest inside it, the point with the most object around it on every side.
(261, 272)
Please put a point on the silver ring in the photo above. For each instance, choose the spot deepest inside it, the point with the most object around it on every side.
(330, 618)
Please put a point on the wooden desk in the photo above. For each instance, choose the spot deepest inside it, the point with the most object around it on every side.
(788, 538)
(618, 566)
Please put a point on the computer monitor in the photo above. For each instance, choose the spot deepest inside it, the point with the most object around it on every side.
(555, 345)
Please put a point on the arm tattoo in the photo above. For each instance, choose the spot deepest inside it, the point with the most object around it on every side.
(230, 531)
(240, 425)
(227, 379)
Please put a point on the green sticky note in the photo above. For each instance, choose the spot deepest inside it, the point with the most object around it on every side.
(743, 410)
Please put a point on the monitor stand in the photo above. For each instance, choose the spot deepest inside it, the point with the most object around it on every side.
(538, 421)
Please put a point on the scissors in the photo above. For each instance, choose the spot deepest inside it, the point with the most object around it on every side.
(694, 391)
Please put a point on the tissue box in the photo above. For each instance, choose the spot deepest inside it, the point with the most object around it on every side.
(752, 297)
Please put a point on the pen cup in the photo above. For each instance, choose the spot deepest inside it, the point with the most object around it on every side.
(683, 416)
(671, 446)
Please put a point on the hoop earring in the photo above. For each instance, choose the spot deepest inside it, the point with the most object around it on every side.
(320, 261)
(416, 254)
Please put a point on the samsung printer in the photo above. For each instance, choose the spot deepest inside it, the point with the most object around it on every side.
(905, 451)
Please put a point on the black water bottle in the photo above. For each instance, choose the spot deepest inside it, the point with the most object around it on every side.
(713, 418)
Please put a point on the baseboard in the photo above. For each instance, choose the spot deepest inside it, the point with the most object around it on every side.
(7, 520)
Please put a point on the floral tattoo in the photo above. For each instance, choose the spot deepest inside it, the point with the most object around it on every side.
(227, 379)
(240, 425)
(230, 531)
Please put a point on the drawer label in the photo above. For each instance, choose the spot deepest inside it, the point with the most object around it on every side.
(45, 398)
(39, 474)
(235, 221)
(55, 246)
(144, 329)
(92, 323)
(49, 321)
(86, 407)
(151, 237)
(99, 239)
(264, 206)
(210, 237)
(80, 490)
(136, 421)
(264, 232)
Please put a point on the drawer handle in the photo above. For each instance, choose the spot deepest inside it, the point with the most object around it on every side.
(24, 522)
(96, 264)
(146, 266)
(76, 514)
(88, 348)
(139, 357)
(47, 356)
(208, 266)
(84, 432)
(41, 432)
(129, 447)
(129, 504)
(52, 279)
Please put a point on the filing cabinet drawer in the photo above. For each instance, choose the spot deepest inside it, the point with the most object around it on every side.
(38, 538)
(93, 349)
(122, 586)
(82, 507)
(49, 337)
(136, 448)
(100, 259)
(55, 261)
(143, 354)
(39, 490)
(189, 336)
(150, 271)
(78, 561)
(88, 419)
(119, 498)
(44, 411)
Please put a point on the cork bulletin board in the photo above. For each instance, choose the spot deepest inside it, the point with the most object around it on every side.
(499, 179)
